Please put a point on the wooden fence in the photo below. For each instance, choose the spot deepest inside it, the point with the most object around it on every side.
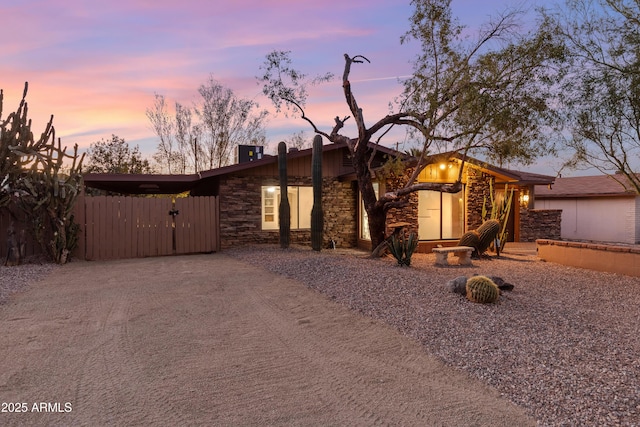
(135, 227)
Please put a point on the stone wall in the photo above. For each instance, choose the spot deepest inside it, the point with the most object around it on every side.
(407, 213)
(340, 206)
(241, 210)
(539, 224)
(477, 190)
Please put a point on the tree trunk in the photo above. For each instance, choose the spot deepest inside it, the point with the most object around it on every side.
(377, 226)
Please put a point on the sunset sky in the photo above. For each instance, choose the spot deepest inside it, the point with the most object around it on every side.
(96, 65)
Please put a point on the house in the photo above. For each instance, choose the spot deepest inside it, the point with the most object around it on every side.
(594, 208)
(249, 195)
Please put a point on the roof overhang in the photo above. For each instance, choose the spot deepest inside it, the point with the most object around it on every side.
(141, 183)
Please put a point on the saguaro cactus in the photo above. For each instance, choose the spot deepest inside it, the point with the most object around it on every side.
(317, 215)
(284, 210)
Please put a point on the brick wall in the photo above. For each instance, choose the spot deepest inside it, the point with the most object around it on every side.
(241, 210)
(540, 224)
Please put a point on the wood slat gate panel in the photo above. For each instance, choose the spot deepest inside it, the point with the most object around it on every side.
(132, 227)
(126, 227)
(196, 225)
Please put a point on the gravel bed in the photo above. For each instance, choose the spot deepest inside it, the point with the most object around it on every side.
(564, 344)
(15, 278)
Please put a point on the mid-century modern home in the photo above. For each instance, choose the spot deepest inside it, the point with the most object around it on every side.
(249, 193)
(594, 208)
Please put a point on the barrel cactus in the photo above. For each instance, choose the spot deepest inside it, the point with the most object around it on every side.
(470, 238)
(487, 233)
(482, 289)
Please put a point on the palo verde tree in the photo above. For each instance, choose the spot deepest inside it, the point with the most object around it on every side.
(488, 94)
(601, 91)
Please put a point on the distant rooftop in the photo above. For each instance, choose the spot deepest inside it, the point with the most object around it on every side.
(585, 186)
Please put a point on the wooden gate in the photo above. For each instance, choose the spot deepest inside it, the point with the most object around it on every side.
(135, 227)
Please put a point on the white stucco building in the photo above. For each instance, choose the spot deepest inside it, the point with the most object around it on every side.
(594, 208)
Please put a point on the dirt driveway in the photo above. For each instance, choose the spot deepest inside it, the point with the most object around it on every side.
(209, 340)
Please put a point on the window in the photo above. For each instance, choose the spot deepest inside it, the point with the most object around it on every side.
(364, 219)
(300, 202)
(440, 215)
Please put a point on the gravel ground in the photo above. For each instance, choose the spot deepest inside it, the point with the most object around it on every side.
(15, 278)
(564, 344)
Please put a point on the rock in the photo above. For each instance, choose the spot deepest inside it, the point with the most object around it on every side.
(458, 285)
(502, 285)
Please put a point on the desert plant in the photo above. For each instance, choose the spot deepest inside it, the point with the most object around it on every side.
(403, 248)
(284, 210)
(482, 289)
(317, 215)
(471, 239)
(500, 211)
(487, 233)
(47, 193)
(37, 178)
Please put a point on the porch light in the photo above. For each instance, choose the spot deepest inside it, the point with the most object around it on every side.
(524, 199)
(442, 166)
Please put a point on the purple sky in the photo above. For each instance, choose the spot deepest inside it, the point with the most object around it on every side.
(95, 65)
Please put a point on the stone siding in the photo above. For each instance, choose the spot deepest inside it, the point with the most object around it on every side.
(477, 190)
(540, 224)
(409, 213)
(241, 210)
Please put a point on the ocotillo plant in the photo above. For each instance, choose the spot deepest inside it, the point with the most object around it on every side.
(317, 216)
(284, 210)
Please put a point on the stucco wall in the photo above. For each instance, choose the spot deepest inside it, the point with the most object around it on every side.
(602, 219)
(601, 257)
(241, 210)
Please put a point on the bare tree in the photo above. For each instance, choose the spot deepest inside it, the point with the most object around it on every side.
(187, 136)
(163, 125)
(602, 89)
(226, 122)
(298, 140)
(488, 94)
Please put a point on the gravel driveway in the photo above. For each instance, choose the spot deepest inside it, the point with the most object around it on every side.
(214, 340)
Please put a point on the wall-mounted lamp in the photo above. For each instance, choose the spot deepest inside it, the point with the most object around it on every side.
(524, 198)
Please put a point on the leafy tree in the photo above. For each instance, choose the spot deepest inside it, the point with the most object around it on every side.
(115, 156)
(602, 89)
(487, 94)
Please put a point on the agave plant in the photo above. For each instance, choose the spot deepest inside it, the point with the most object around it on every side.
(403, 248)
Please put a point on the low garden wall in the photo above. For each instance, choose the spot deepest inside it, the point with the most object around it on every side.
(622, 259)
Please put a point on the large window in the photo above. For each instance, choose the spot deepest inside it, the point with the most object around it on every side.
(440, 215)
(300, 201)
